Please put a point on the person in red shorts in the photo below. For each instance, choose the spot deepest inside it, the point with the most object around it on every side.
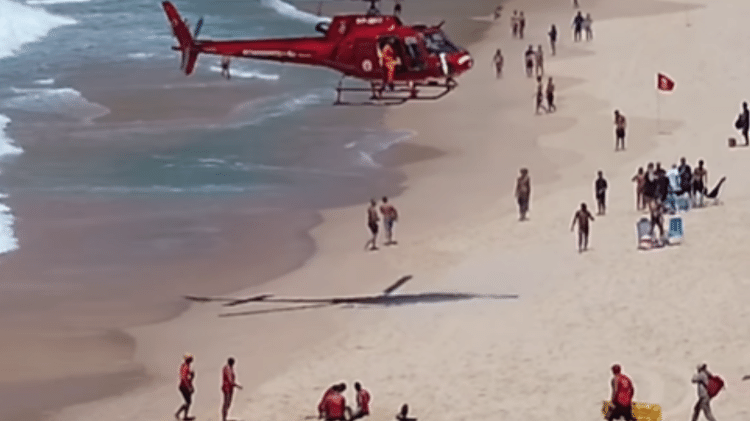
(228, 384)
(186, 387)
(334, 405)
(622, 396)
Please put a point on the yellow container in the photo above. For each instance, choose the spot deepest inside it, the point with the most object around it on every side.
(641, 411)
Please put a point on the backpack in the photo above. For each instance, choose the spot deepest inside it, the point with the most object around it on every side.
(714, 386)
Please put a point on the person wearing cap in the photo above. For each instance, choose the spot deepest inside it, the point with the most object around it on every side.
(186, 386)
(701, 377)
(622, 396)
(228, 384)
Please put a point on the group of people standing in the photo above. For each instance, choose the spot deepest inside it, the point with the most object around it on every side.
(518, 24)
(186, 387)
(390, 216)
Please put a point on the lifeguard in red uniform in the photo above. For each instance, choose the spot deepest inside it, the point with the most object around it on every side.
(389, 61)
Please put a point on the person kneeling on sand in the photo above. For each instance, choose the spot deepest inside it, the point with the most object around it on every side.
(363, 403)
(334, 404)
(622, 396)
(331, 390)
(582, 217)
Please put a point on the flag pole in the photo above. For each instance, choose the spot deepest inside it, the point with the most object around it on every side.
(658, 111)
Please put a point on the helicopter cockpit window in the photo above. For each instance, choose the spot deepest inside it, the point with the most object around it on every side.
(412, 48)
(438, 43)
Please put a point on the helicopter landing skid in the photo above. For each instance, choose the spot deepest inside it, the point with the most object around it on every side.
(401, 93)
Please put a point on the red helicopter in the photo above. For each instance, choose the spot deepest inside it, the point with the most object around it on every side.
(399, 61)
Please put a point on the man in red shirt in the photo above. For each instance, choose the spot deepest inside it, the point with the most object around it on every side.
(622, 396)
(228, 383)
(321, 406)
(186, 387)
(334, 404)
(363, 402)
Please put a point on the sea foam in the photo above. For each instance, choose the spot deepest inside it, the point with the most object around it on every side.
(288, 10)
(21, 24)
(8, 240)
(62, 101)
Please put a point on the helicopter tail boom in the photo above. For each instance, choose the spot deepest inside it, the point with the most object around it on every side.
(184, 38)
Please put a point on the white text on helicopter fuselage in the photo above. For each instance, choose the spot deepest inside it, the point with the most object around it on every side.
(369, 21)
(262, 53)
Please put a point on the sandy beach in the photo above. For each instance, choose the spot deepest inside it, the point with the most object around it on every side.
(547, 352)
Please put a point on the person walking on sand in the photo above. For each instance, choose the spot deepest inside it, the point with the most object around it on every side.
(577, 26)
(600, 191)
(620, 125)
(225, 61)
(701, 377)
(587, 22)
(582, 217)
(498, 11)
(514, 23)
(363, 402)
(521, 24)
(186, 387)
(700, 181)
(523, 193)
(539, 62)
(498, 60)
(372, 224)
(743, 122)
(622, 396)
(540, 96)
(529, 57)
(228, 384)
(390, 216)
(550, 96)
(552, 38)
(640, 181)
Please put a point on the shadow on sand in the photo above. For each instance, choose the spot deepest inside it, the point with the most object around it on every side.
(384, 299)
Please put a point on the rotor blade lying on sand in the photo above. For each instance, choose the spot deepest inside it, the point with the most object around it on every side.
(398, 284)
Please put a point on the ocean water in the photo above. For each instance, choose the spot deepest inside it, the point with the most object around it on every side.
(286, 147)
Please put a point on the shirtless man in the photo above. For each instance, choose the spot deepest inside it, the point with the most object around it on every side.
(498, 60)
(523, 193)
(552, 38)
(228, 384)
(514, 23)
(700, 180)
(640, 181)
(372, 224)
(225, 67)
(582, 217)
(620, 124)
(529, 57)
(656, 209)
(390, 216)
(186, 387)
(521, 24)
(539, 62)
(540, 95)
(550, 96)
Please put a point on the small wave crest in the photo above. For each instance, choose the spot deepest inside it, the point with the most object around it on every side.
(8, 240)
(247, 74)
(290, 11)
(43, 2)
(62, 101)
(6, 144)
(161, 189)
(255, 112)
(372, 143)
(21, 24)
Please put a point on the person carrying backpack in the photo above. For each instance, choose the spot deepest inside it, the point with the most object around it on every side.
(708, 387)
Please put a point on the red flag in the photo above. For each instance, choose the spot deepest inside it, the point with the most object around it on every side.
(664, 83)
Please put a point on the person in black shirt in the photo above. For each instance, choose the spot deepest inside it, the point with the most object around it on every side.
(578, 26)
(743, 122)
(685, 177)
(600, 190)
